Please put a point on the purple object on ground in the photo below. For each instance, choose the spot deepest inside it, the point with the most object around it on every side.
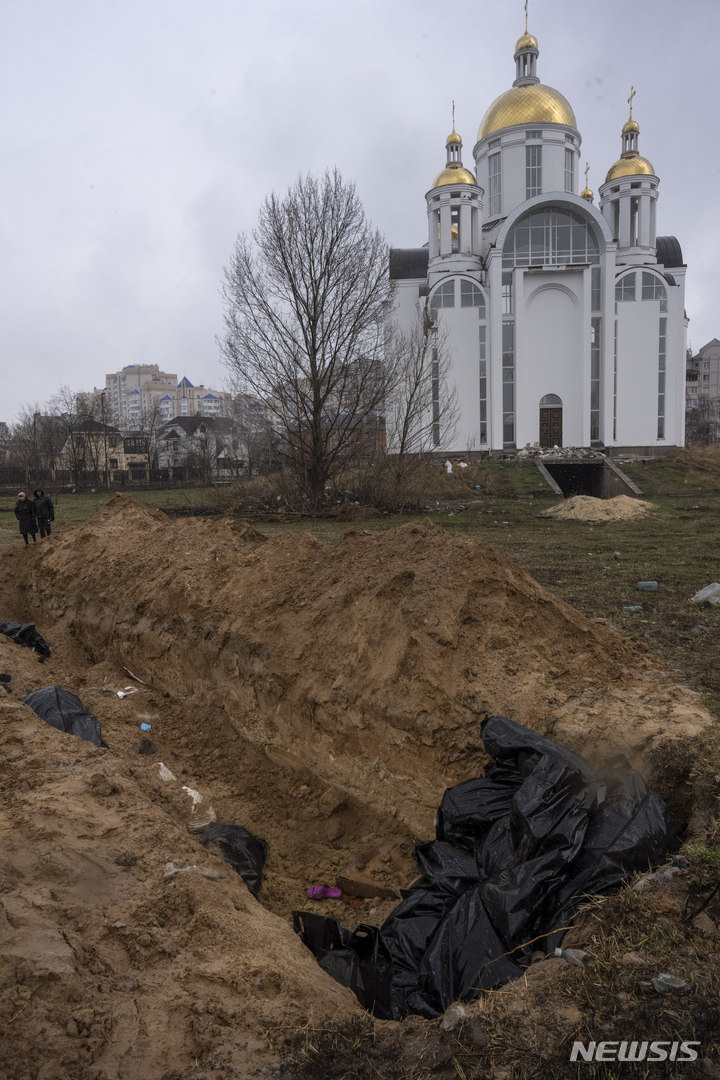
(323, 892)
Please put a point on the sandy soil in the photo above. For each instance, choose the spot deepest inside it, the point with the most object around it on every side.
(321, 696)
(587, 508)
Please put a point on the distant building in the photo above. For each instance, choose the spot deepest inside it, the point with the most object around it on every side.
(702, 378)
(132, 394)
(702, 394)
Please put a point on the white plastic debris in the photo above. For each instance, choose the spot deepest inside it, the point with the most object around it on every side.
(127, 690)
(165, 773)
(452, 1017)
(659, 875)
(199, 819)
(194, 795)
(172, 868)
(709, 595)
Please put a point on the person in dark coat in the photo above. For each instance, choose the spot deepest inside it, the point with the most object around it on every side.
(25, 513)
(44, 511)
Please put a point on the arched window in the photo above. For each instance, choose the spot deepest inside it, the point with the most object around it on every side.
(550, 237)
(550, 399)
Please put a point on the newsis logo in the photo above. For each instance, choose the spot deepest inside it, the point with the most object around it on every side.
(614, 1050)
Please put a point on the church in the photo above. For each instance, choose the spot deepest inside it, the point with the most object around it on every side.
(561, 319)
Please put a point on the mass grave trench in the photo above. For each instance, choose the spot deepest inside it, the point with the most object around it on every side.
(367, 664)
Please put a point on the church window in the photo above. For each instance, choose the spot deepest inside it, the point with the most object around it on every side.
(595, 380)
(435, 376)
(483, 385)
(507, 298)
(550, 238)
(444, 296)
(533, 171)
(595, 294)
(569, 170)
(494, 192)
(470, 296)
(653, 289)
(508, 382)
(625, 288)
(634, 220)
(662, 353)
(455, 228)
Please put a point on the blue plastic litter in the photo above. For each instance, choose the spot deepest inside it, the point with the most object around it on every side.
(146, 727)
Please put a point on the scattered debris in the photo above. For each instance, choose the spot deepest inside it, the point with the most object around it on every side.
(205, 871)
(709, 595)
(647, 586)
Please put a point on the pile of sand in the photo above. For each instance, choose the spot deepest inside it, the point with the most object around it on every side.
(586, 508)
(321, 696)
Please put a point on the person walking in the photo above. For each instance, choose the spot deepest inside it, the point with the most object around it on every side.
(44, 511)
(25, 513)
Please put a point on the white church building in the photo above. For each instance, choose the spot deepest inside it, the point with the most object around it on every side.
(563, 320)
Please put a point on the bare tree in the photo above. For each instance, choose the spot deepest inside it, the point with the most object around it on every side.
(147, 432)
(306, 299)
(422, 413)
(702, 423)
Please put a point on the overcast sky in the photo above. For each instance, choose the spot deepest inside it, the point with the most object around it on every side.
(138, 139)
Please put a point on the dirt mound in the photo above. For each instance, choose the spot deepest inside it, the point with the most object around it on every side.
(321, 696)
(586, 508)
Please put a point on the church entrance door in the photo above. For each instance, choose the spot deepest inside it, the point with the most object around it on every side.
(551, 426)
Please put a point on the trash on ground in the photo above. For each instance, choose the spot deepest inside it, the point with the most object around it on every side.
(573, 956)
(647, 586)
(126, 690)
(165, 773)
(670, 984)
(515, 854)
(709, 595)
(323, 892)
(147, 746)
(632, 607)
(146, 727)
(66, 712)
(200, 819)
(240, 849)
(25, 634)
(659, 875)
(206, 871)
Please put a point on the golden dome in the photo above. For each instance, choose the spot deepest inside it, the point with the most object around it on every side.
(454, 174)
(532, 104)
(632, 125)
(527, 41)
(587, 193)
(453, 137)
(632, 165)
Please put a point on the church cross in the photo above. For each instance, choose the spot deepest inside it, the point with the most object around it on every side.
(633, 92)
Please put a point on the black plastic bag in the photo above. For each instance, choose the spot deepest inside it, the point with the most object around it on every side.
(517, 851)
(243, 851)
(359, 960)
(64, 711)
(25, 634)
